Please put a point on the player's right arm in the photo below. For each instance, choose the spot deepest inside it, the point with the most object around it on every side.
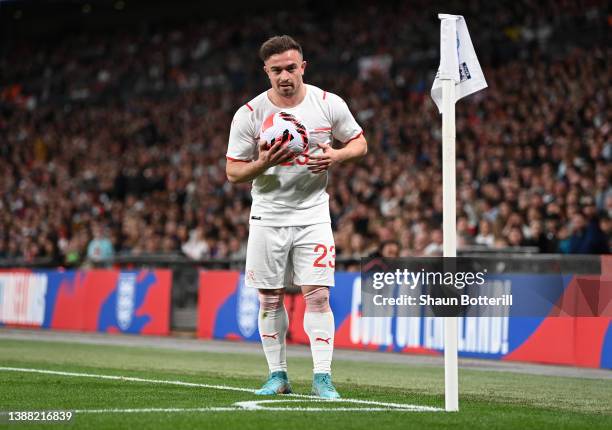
(242, 165)
(239, 171)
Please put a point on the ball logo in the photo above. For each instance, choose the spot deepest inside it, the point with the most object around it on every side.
(286, 128)
(126, 287)
(247, 309)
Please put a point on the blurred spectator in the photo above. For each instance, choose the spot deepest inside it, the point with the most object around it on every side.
(485, 235)
(237, 250)
(515, 237)
(390, 249)
(435, 247)
(586, 237)
(196, 247)
(100, 247)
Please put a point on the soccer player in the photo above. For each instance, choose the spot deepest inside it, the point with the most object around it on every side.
(290, 237)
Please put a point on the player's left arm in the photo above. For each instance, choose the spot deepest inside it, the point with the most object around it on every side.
(345, 129)
(355, 148)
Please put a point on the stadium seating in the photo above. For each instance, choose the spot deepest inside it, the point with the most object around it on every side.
(125, 133)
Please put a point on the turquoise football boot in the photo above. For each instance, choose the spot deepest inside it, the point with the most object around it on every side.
(277, 383)
(322, 386)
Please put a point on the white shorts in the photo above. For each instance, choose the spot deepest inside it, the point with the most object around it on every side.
(278, 257)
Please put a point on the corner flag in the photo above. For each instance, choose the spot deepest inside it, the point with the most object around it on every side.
(458, 60)
(459, 75)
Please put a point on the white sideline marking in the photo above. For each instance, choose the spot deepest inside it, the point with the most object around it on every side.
(239, 406)
(255, 405)
(148, 410)
(236, 409)
(124, 378)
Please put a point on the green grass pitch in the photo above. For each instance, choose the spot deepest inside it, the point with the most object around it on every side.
(488, 399)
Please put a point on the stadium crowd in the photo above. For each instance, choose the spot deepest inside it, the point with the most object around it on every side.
(115, 144)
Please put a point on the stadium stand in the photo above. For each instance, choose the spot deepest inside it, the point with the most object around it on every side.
(121, 135)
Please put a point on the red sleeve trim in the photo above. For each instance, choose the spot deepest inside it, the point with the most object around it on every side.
(249, 106)
(324, 94)
(237, 159)
(353, 138)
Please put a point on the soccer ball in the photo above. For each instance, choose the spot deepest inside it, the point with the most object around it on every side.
(286, 127)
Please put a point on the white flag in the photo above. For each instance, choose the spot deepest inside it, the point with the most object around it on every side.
(458, 60)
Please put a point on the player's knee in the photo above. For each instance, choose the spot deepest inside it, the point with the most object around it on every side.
(271, 299)
(317, 300)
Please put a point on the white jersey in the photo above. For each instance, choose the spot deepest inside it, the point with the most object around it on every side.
(289, 194)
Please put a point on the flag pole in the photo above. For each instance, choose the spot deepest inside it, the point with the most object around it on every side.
(459, 75)
(449, 228)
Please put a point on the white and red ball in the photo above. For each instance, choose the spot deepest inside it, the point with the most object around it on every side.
(287, 127)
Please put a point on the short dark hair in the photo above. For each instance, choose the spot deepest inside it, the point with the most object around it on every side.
(278, 45)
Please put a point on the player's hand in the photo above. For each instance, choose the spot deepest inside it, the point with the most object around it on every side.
(318, 163)
(277, 153)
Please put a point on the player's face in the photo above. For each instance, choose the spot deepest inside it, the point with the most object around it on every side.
(285, 71)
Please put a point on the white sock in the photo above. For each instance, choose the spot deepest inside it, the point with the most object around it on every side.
(319, 327)
(273, 325)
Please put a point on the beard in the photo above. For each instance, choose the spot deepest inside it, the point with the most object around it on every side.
(286, 90)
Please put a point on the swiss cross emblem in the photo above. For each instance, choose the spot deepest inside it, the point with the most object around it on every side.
(251, 275)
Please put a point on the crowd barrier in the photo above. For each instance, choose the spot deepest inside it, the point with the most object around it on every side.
(141, 301)
(228, 310)
(110, 301)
